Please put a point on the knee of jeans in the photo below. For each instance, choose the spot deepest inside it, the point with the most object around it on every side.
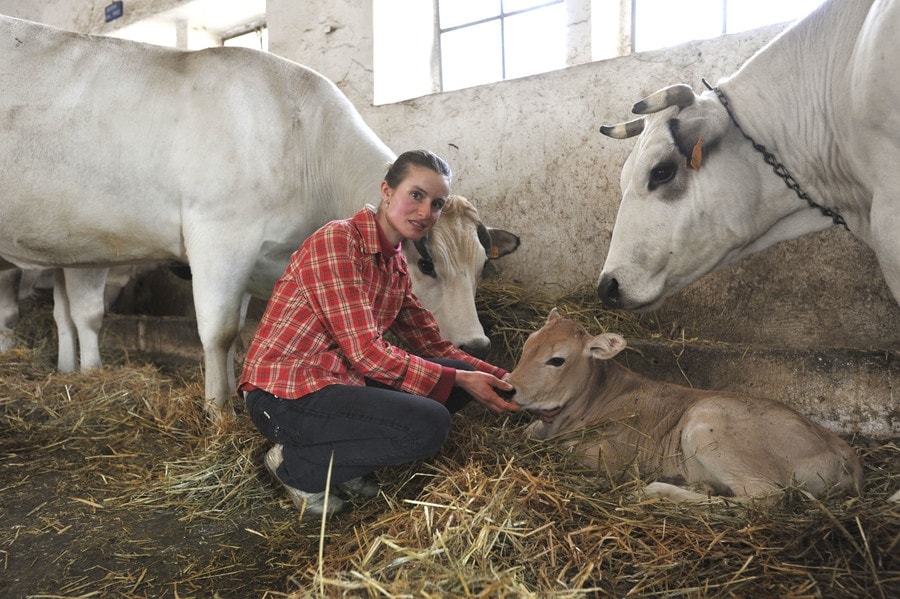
(435, 432)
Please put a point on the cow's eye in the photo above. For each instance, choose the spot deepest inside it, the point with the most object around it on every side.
(661, 174)
(427, 268)
(556, 362)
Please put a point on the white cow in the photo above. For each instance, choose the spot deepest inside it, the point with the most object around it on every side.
(445, 268)
(116, 152)
(618, 420)
(823, 98)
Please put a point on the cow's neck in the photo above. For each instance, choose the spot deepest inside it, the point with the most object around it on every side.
(786, 98)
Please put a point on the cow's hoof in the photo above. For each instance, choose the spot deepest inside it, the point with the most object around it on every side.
(221, 418)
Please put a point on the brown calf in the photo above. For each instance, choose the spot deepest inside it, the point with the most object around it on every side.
(725, 443)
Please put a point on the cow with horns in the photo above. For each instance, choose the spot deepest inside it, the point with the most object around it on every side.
(821, 103)
(115, 152)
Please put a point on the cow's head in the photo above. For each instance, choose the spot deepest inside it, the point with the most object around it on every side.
(695, 198)
(556, 368)
(446, 265)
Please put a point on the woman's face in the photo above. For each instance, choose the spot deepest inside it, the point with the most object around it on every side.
(411, 209)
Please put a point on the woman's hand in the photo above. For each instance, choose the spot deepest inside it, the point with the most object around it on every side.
(483, 388)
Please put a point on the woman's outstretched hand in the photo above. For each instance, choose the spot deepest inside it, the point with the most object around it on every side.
(483, 388)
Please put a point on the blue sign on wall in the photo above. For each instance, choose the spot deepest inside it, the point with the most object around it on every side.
(114, 11)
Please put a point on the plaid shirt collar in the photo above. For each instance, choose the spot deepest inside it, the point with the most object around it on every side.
(374, 239)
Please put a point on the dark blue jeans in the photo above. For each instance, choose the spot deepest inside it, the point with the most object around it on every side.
(363, 427)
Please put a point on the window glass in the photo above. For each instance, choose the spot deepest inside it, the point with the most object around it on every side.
(514, 5)
(523, 55)
(471, 56)
(459, 12)
(403, 32)
(664, 23)
(749, 14)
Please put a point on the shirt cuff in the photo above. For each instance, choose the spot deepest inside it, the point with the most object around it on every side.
(442, 389)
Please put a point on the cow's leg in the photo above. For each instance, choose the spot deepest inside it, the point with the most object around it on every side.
(85, 288)
(885, 239)
(9, 305)
(680, 494)
(218, 291)
(66, 337)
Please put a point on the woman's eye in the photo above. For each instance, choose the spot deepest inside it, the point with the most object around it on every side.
(415, 195)
(661, 174)
(556, 362)
(437, 205)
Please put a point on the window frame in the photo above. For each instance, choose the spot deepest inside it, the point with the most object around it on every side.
(502, 16)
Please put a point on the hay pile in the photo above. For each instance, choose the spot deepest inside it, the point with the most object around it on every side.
(122, 457)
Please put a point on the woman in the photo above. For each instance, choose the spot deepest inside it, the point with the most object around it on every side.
(320, 380)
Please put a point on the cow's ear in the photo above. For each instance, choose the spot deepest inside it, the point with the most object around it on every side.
(502, 243)
(706, 119)
(553, 316)
(606, 345)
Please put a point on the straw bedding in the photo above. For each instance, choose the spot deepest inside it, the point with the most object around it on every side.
(111, 485)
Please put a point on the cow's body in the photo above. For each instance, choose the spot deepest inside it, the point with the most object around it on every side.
(617, 420)
(456, 247)
(824, 97)
(115, 152)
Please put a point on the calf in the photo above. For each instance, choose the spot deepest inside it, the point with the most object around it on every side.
(724, 443)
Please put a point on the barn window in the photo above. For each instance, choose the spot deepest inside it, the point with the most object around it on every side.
(491, 40)
(662, 23)
(423, 47)
(426, 47)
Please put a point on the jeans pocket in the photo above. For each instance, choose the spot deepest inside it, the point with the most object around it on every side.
(264, 410)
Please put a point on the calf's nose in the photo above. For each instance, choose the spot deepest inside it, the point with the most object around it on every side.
(507, 395)
(608, 290)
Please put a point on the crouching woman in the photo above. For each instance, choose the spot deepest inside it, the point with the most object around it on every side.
(320, 380)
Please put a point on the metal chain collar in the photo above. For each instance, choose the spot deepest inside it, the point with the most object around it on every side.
(778, 167)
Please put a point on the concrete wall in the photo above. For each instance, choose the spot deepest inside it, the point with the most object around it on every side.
(529, 154)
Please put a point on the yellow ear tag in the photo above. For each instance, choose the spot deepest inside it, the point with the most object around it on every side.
(696, 155)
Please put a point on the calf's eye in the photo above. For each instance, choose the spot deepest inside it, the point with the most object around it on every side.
(661, 174)
(556, 362)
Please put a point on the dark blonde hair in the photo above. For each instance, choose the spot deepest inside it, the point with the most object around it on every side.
(424, 158)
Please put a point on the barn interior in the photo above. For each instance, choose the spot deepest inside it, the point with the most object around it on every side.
(808, 321)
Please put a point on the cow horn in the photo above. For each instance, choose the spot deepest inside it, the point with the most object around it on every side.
(624, 130)
(680, 95)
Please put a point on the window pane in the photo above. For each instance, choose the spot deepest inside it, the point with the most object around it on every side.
(471, 56)
(403, 36)
(535, 41)
(749, 14)
(663, 23)
(514, 5)
(460, 12)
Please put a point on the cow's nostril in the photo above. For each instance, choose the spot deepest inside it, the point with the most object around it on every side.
(608, 290)
(478, 351)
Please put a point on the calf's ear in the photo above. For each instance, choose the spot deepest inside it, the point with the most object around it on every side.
(605, 346)
(554, 315)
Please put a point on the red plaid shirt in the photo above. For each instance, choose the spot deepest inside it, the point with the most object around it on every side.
(324, 323)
